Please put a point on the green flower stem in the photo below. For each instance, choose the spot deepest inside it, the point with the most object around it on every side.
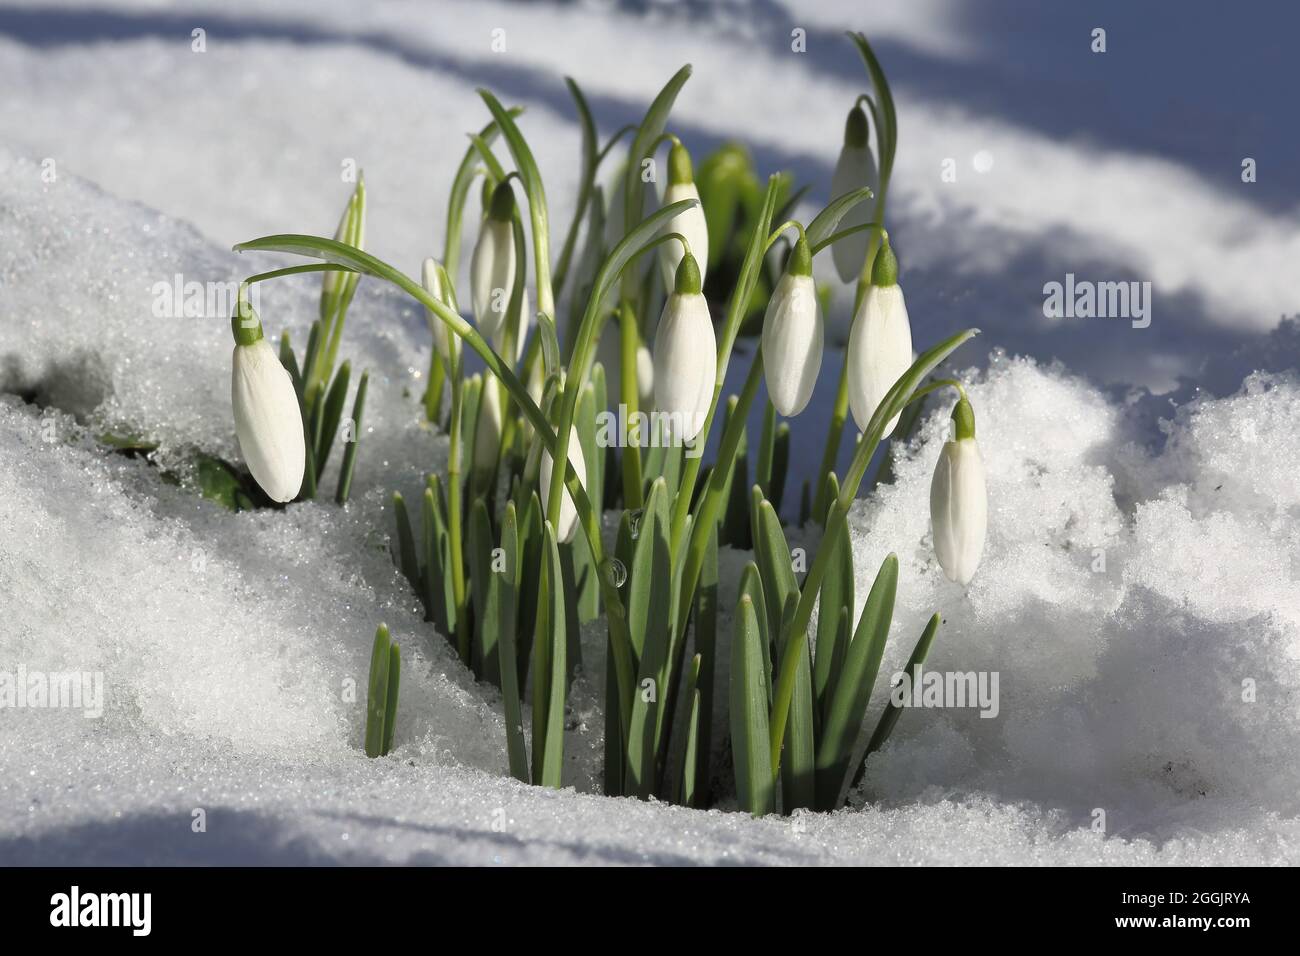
(630, 387)
(341, 253)
(894, 401)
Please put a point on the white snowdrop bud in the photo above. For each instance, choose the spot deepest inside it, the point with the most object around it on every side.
(268, 421)
(880, 341)
(437, 283)
(492, 267)
(690, 224)
(855, 168)
(568, 510)
(792, 335)
(487, 431)
(959, 505)
(525, 323)
(685, 357)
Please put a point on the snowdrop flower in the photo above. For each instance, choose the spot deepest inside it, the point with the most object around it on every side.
(492, 267)
(855, 168)
(568, 511)
(691, 224)
(437, 283)
(268, 421)
(959, 505)
(487, 431)
(880, 342)
(792, 335)
(685, 356)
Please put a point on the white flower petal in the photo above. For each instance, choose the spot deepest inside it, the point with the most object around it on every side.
(492, 275)
(268, 422)
(959, 509)
(792, 343)
(880, 351)
(685, 365)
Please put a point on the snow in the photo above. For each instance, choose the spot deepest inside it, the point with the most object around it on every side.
(1141, 562)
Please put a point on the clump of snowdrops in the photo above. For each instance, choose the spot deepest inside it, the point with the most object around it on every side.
(507, 554)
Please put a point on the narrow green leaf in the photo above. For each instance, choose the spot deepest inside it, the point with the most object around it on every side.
(390, 701)
(849, 705)
(748, 707)
(405, 541)
(331, 415)
(825, 222)
(706, 648)
(686, 776)
(350, 447)
(649, 610)
(892, 712)
(377, 693)
(652, 125)
(503, 601)
(780, 465)
(836, 595)
(459, 191)
(484, 653)
(552, 759)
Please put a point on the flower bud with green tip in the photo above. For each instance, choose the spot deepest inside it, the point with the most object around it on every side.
(880, 341)
(793, 335)
(685, 356)
(855, 168)
(437, 283)
(691, 223)
(268, 420)
(492, 266)
(568, 511)
(959, 499)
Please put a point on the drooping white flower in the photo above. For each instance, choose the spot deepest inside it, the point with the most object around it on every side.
(268, 420)
(959, 500)
(685, 357)
(880, 341)
(487, 430)
(793, 336)
(568, 510)
(855, 168)
(492, 266)
(691, 223)
(437, 283)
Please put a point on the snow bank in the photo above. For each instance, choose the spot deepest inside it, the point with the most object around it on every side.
(1125, 595)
